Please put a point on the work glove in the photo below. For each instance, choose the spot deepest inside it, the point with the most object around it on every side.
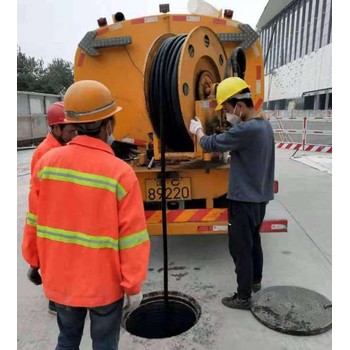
(34, 276)
(132, 302)
(195, 125)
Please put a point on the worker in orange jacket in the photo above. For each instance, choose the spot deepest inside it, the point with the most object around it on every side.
(60, 134)
(86, 227)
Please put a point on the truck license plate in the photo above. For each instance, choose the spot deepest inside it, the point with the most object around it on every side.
(176, 189)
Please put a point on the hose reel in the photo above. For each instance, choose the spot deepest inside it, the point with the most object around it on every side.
(236, 64)
(181, 69)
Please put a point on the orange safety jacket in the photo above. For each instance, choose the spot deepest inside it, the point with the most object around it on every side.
(86, 226)
(48, 143)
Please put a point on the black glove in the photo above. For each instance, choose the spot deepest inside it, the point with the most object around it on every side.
(34, 276)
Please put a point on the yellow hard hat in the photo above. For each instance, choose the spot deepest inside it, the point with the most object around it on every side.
(228, 88)
(89, 101)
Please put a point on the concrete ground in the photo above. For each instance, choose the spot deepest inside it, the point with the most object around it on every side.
(201, 267)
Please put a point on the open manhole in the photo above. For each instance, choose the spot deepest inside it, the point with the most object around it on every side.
(293, 310)
(155, 318)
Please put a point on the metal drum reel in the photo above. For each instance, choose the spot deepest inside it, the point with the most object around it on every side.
(179, 70)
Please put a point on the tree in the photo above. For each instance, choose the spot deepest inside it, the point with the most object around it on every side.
(58, 76)
(32, 75)
(29, 71)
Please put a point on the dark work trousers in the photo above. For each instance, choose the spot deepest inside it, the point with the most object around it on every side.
(105, 322)
(244, 222)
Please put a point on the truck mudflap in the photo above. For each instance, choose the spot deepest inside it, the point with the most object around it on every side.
(202, 221)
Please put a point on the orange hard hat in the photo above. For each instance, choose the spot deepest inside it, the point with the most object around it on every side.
(89, 101)
(55, 114)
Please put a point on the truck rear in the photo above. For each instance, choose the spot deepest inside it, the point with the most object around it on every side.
(163, 70)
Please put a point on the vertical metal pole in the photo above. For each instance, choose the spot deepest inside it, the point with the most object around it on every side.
(304, 133)
(164, 219)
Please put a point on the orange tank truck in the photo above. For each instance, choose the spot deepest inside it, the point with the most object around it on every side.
(163, 70)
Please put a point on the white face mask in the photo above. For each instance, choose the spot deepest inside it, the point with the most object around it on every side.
(232, 118)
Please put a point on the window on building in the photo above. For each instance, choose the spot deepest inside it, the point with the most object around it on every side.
(292, 32)
(290, 35)
(278, 40)
(281, 104)
(311, 23)
(271, 105)
(282, 54)
(302, 27)
(307, 28)
(317, 25)
(323, 13)
(329, 40)
(266, 57)
(309, 102)
(324, 39)
(275, 43)
(297, 30)
(329, 101)
(321, 102)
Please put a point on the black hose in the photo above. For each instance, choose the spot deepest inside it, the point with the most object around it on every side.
(236, 63)
(164, 99)
(167, 121)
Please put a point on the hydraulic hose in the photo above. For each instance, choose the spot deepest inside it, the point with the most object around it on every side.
(236, 64)
(164, 99)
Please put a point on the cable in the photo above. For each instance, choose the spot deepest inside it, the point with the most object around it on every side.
(164, 99)
(132, 61)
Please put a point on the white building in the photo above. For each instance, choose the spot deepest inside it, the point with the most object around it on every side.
(296, 36)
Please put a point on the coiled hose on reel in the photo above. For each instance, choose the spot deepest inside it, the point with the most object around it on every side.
(164, 101)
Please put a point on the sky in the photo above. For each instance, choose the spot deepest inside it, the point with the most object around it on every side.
(50, 29)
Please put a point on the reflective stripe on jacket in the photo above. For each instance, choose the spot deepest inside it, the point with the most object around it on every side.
(48, 143)
(86, 227)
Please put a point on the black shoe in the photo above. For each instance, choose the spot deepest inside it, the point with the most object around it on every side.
(52, 308)
(235, 302)
(256, 287)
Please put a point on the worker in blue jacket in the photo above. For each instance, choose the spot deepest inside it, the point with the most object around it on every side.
(251, 143)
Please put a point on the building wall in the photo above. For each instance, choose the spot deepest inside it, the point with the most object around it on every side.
(297, 47)
(309, 73)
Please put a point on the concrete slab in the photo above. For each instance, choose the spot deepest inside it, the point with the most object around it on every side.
(320, 161)
(201, 267)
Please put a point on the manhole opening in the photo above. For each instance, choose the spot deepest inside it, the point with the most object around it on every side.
(157, 319)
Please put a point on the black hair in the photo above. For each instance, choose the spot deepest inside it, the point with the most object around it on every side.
(248, 101)
(82, 129)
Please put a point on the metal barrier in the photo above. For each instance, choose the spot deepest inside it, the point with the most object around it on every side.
(306, 130)
(31, 116)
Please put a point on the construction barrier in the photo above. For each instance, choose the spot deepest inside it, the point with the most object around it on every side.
(299, 146)
(304, 130)
(31, 116)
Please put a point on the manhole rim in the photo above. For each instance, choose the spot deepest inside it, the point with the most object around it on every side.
(173, 296)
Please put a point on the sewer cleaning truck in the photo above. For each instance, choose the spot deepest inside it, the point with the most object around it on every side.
(163, 70)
